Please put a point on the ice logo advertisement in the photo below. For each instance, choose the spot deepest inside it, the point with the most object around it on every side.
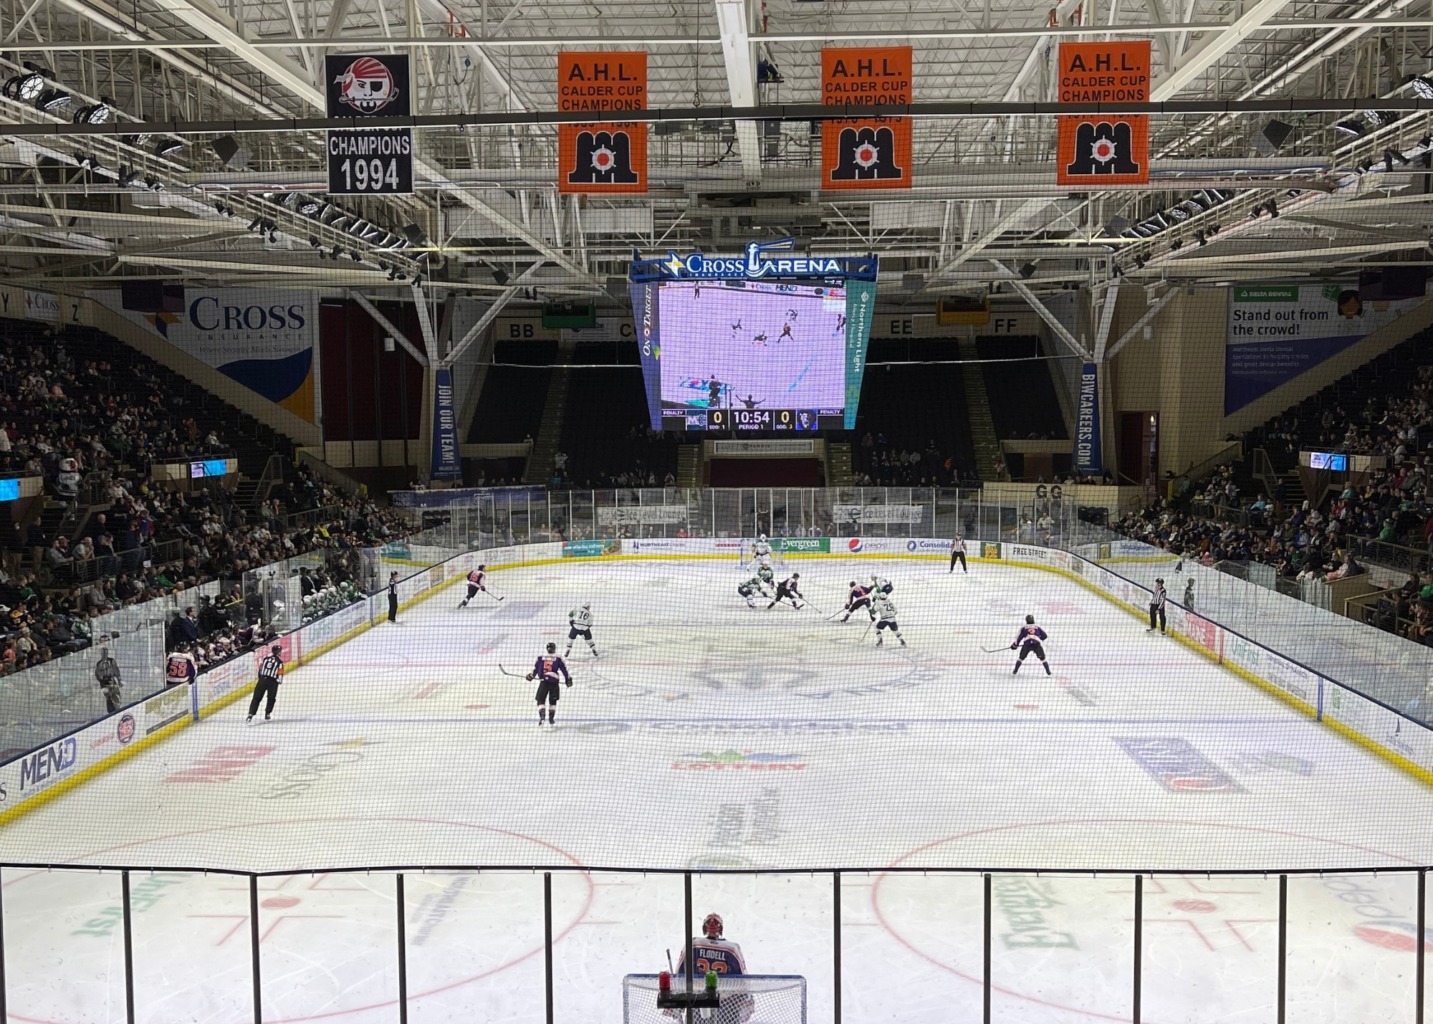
(367, 85)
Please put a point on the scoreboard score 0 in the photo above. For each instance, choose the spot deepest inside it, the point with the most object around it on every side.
(776, 421)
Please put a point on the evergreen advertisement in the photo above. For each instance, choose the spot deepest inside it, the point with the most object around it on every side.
(860, 307)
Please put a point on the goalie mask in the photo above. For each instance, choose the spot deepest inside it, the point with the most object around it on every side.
(711, 926)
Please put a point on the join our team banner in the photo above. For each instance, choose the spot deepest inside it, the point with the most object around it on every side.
(446, 464)
(608, 155)
(266, 340)
(1277, 331)
(866, 152)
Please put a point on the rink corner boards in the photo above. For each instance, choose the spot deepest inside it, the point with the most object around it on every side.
(1304, 708)
(210, 708)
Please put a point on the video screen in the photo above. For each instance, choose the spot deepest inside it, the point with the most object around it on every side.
(748, 355)
(1328, 460)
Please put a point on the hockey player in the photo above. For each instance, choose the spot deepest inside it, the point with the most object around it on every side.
(475, 583)
(179, 667)
(1028, 640)
(761, 552)
(754, 586)
(579, 624)
(547, 670)
(1156, 606)
(711, 951)
(1189, 594)
(788, 588)
(881, 585)
(886, 619)
(860, 597)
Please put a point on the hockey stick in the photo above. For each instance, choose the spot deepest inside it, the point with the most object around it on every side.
(994, 650)
(818, 611)
(515, 675)
(867, 630)
(491, 594)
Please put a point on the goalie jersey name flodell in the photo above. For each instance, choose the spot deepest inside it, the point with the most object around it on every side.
(714, 955)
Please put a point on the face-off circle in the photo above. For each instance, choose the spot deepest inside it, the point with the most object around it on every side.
(1043, 926)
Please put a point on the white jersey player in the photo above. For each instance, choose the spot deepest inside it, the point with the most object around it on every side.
(475, 584)
(886, 619)
(881, 585)
(761, 551)
(711, 951)
(579, 624)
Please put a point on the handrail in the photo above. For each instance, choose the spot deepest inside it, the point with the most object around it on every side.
(1232, 452)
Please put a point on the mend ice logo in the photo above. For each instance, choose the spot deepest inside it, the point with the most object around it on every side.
(1177, 766)
(48, 763)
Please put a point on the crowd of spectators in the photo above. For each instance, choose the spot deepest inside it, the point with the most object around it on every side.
(1387, 516)
(879, 464)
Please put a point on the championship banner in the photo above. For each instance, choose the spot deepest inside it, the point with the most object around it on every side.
(1088, 457)
(868, 152)
(446, 465)
(265, 339)
(1103, 149)
(606, 156)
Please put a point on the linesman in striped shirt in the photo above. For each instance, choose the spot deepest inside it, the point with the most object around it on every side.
(271, 672)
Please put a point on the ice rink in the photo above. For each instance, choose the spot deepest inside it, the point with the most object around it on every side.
(710, 735)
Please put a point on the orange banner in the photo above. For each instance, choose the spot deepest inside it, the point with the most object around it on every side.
(602, 156)
(1103, 149)
(867, 152)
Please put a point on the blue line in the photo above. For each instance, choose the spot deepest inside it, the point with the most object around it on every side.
(803, 719)
(798, 378)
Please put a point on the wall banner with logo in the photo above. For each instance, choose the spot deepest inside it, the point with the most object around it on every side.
(1089, 461)
(1103, 149)
(446, 463)
(608, 156)
(264, 339)
(369, 161)
(649, 343)
(866, 152)
(860, 309)
(1277, 331)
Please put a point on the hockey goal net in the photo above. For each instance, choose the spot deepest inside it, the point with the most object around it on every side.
(749, 558)
(749, 999)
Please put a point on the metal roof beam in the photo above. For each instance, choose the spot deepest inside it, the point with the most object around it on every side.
(1190, 66)
(732, 17)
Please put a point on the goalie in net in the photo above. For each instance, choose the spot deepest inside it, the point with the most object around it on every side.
(758, 553)
(782, 998)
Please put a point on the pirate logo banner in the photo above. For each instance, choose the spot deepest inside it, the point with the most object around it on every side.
(605, 156)
(867, 152)
(1103, 149)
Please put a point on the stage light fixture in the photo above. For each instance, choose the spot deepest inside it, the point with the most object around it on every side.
(1422, 87)
(1353, 129)
(308, 207)
(164, 147)
(52, 100)
(1201, 238)
(1272, 207)
(126, 177)
(153, 183)
(27, 87)
(1177, 244)
(94, 113)
(313, 241)
(1139, 262)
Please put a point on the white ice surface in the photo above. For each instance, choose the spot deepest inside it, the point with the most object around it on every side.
(712, 735)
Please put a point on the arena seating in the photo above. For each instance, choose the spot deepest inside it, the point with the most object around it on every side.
(606, 429)
(511, 404)
(912, 406)
(1022, 395)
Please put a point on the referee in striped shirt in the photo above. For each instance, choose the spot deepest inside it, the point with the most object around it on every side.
(271, 670)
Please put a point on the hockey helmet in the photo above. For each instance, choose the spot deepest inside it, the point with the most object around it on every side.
(712, 926)
(1159, 579)
(481, 568)
(762, 537)
(853, 583)
(587, 605)
(552, 648)
(795, 575)
(276, 649)
(1029, 620)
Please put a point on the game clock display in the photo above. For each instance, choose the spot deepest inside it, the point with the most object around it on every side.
(775, 421)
